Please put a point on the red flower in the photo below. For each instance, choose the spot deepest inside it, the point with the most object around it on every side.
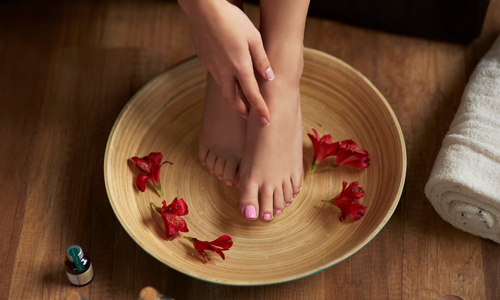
(223, 243)
(150, 166)
(323, 148)
(171, 216)
(347, 154)
(347, 201)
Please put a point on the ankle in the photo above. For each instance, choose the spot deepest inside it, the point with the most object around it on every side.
(287, 62)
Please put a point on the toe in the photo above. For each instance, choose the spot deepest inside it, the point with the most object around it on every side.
(230, 171)
(202, 154)
(211, 158)
(219, 167)
(279, 203)
(288, 192)
(296, 184)
(249, 201)
(267, 203)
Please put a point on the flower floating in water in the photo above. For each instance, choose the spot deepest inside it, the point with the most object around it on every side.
(223, 243)
(347, 201)
(171, 216)
(150, 166)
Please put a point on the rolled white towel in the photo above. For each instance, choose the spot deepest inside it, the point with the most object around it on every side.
(464, 186)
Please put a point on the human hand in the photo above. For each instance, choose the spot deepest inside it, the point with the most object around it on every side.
(230, 47)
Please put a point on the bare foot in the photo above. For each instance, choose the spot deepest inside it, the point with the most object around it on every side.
(223, 135)
(272, 161)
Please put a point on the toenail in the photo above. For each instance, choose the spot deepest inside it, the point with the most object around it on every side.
(220, 177)
(288, 204)
(211, 171)
(278, 212)
(250, 212)
(264, 121)
(267, 217)
(295, 195)
(229, 183)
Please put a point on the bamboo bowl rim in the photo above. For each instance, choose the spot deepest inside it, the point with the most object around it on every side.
(116, 195)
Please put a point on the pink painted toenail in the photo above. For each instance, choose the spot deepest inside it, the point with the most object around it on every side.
(203, 163)
(295, 195)
(278, 212)
(211, 171)
(229, 183)
(264, 121)
(220, 177)
(288, 204)
(266, 217)
(250, 212)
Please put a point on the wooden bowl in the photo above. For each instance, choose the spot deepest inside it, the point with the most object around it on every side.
(165, 115)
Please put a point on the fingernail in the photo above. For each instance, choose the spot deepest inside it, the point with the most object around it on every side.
(230, 183)
(203, 163)
(266, 217)
(211, 171)
(269, 74)
(250, 212)
(244, 117)
(264, 121)
(288, 204)
(220, 177)
(295, 195)
(278, 212)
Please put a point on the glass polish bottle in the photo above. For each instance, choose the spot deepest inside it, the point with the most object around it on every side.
(78, 266)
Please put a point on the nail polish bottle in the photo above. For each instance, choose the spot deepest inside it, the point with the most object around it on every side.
(78, 266)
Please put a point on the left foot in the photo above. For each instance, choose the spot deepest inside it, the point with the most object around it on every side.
(272, 160)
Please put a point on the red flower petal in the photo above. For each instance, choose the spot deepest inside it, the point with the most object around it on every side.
(154, 158)
(141, 182)
(357, 158)
(224, 241)
(178, 207)
(173, 222)
(143, 165)
(347, 201)
(323, 148)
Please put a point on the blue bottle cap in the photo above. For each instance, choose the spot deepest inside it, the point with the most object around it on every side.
(75, 255)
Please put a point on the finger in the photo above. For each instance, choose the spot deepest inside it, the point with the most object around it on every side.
(260, 61)
(231, 95)
(252, 94)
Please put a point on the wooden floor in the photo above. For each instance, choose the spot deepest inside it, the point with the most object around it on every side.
(68, 67)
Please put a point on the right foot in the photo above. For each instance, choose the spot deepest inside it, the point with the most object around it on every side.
(223, 135)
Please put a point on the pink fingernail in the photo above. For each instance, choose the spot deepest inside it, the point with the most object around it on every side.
(288, 204)
(230, 183)
(269, 74)
(250, 212)
(264, 121)
(220, 177)
(244, 117)
(278, 212)
(211, 171)
(266, 217)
